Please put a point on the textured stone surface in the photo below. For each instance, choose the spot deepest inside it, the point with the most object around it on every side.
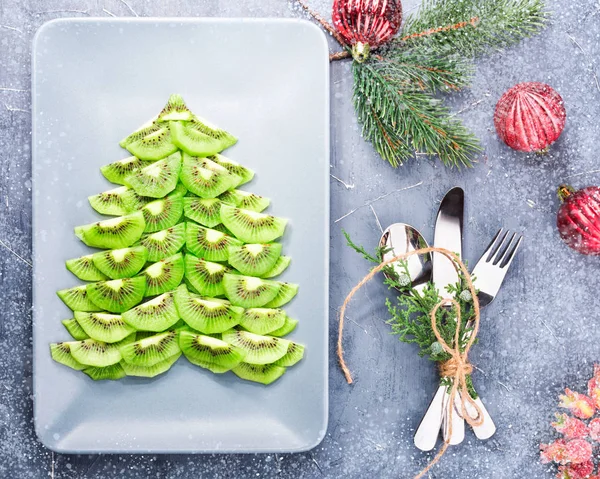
(538, 337)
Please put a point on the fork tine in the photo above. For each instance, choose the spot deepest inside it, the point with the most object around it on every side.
(498, 247)
(508, 257)
(504, 248)
(489, 251)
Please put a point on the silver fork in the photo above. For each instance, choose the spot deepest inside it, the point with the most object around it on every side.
(489, 273)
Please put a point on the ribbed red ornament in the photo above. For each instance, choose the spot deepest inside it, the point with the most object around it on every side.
(578, 219)
(530, 116)
(372, 22)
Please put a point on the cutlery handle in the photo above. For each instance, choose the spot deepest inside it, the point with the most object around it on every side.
(488, 428)
(429, 428)
(458, 423)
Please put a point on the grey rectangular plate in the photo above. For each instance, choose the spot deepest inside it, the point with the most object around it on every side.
(266, 81)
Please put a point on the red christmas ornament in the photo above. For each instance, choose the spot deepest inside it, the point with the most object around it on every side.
(530, 116)
(365, 24)
(578, 218)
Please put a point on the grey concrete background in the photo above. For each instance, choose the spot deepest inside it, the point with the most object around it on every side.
(538, 337)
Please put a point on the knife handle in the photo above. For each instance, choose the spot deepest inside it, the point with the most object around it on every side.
(429, 428)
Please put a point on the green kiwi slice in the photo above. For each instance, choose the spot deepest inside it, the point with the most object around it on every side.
(249, 292)
(262, 320)
(212, 245)
(295, 353)
(210, 353)
(205, 182)
(206, 211)
(162, 214)
(151, 350)
(61, 353)
(157, 179)
(112, 372)
(153, 142)
(78, 299)
(105, 327)
(84, 268)
(205, 277)
(198, 137)
(207, 315)
(245, 200)
(119, 170)
(112, 202)
(157, 315)
(221, 227)
(174, 110)
(150, 371)
(117, 295)
(164, 275)
(115, 233)
(95, 353)
(164, 243)
(289, 325)
(245, 174)
(121, 263)
(76, 331)
(260, 373)
(254, 259)
(282, 264)
(259, 349)
(286, 293)
(250, 226)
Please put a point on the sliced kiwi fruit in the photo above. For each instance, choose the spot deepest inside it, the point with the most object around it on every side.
(259, 349)
(105, 327)
(76, 331)
(112, 372)
(210, 353)
(289, 325)
(115, 233)
(78, 299)
(61, 353)
(164, 275)
(212, 245)
(245, 174)
(198, 137)
(206, 277)
(117, 295)
(84, 268)
(282, 264)
(245, 200)
(207, 315)
(150, 371)
(95, 353)
(121, 263)
(249, 292)
(260, 373)
(295, 353)
(206, 211)
(157, 315)
(221, 227)
(174, 110)
(262, 320)
(153, 142)
(151, 350)
(162, 214)
(164, 243)
(250, 226)
(119, 170)
(254, 259)
(112, 202)
(286, 293)
(205, 182)
(157, 179)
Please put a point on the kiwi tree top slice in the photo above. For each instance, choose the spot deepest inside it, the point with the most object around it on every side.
(289, 325)
(282, 264)
(205, 182)
(157, 179)
(164, 213)
(205, 276)
(248, 291)
(206, 211)
(210, 353)
(84, 268)
(245, 174)
(164, 275)
(151, 350)
(112, 202)
(259, 349)
(157, 315)
(95, 353)
(76, 331)
(112, 372)
(151, 143)
(117, 171)
(254, 259)
(115, 233)
(78, 299)
(150, 371)
(164, 243)
(175, 109)
(250, 226)
(245, 200)
(121, 263)
(61, 353)
(199, 138)
(294, 354)
(118, 295)
(260, 373)
(262, 320)
(212, 245)
(286, 293)
(109, 328)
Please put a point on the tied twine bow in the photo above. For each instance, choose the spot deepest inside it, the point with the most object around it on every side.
(458, 367)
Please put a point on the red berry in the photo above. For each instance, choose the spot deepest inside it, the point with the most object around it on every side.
(530, 116)
(578, 219)
(371, 22)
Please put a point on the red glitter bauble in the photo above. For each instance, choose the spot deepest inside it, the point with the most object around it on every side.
(578, 219)
(530, 116)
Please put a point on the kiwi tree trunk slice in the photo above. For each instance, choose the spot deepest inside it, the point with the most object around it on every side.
(249, 292)
(150, 371)
(112, 372)
(84, 268)
(164, 243)
(262, 320)
(198, 138)
(78, 299)
(115, 233)
(164, 275)
(209, 352)
(265, 373)
(118, 295)
(287, 292)
(152, 350)
(206, 277)
(254, 259)
(158, 179)
(108, 328)
(259, 349)
(250, 226)
(121, 263)
(157, 315)
(117, 171)
(209, 244)
(289, 325)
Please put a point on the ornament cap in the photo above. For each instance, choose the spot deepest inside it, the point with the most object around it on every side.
(361, 51)
(564, 191)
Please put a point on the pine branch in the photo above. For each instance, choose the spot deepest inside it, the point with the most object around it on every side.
(472, 27)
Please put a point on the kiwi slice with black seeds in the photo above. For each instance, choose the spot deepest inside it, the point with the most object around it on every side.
(114, 202)
(115, 233)
(78, 299)
(84, 268)
(153, 142)
(245, 174)
(119, 170)
(95, 353)
(206, 277)
(174, 110)
(249, 292)
(286, 293)
(157, 314)
(210, 353)
(198, 137)
(164, 275)
(250, 226)
(245, 200)
(164, 213)
(206, 211)
(164, 243)
(121, 263)
(117, 295)
(74, 329)
(151, 350)
(262, 320)
(209, 244)
(259, 349)
(260, 373)
(150, 371)
(295, 353)
(221, 227)
(61, 353)
(109, 328)
(112, 372)
(205, 182)
(157, 179)
(289, 325)
(280, 266)
(254, 259)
